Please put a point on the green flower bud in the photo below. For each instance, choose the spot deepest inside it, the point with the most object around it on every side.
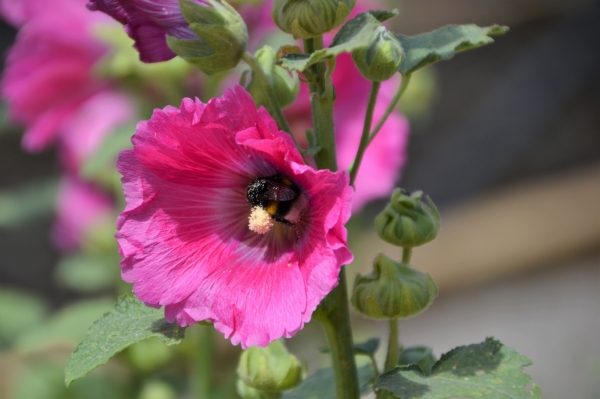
(392, 290)
(270, 369)
(247, 392)
(284, 85)
(406, 221)
(309, 18)
(222, 33)
(381, 59)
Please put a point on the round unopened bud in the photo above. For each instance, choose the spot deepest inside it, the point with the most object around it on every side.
(381, 59)
(406, 221)
(222, 36)
(285, 86)
(310, 18)
(270, 369)
(392, 290)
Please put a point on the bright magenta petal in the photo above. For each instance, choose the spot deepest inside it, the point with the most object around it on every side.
(184, 233)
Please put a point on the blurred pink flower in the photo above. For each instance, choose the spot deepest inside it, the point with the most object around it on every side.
(79, 206)
(200, 233)
(49, 81)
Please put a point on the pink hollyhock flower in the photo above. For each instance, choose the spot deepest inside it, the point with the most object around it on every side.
(49, 81)
(225, 222)
(385, 156)
(79, 206)
(148, 22)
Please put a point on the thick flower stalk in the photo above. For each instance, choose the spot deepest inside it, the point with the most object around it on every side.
(224, 221)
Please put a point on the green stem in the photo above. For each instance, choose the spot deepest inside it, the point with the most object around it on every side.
(203, 366)
(334, 315)
(391, 106)
(321, 102)
(364, 139)
(333, 312)
(275, 107)
(406, 254)
(393, 352)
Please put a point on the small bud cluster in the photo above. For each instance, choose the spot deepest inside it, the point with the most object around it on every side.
(395, 290)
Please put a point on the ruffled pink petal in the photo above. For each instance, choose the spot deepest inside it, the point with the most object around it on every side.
(184, 236)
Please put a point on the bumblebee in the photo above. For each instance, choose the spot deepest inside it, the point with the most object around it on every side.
(280, 197)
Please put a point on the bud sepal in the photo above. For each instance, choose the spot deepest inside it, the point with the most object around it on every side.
(310, 18)
(381, 59)
(222, 36)
(408, 222)
(270, 369)
(285, 86)
(392, 290)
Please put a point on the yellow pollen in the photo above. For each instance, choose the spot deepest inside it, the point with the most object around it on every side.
(260, 221)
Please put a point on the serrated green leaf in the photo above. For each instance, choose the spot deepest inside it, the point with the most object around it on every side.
(422, 356)
(367, 348)
(129, 322)
(355, 33)
(322, 384)
(443, 43)
(488, 370)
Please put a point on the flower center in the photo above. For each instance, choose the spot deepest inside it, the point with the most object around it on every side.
(260, 221)
(274, 198)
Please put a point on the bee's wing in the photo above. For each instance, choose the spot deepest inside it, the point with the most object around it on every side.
(281, 192)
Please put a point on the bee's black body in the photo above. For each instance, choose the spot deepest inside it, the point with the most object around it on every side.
(279, 196)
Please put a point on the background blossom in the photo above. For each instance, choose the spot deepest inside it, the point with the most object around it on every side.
(49, 81)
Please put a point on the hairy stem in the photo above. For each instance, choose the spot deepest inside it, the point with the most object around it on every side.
(391, 106)
(364, 138)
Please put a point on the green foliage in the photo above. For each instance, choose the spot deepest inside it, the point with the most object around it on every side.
(367, 348)
(27, 202)
(443, 43)
(355, 34)
(322, 384)
(18, 311)
(66, 326)
(86, 272)
(129, 322)
(422, 356)
(488, 370)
